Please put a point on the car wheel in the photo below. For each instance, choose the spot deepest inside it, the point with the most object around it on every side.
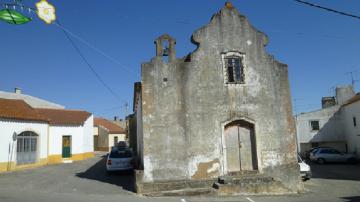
(321, 161)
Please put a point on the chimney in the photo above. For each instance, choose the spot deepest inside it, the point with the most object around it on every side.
(344, 93)
(116, 118)
(18, 90)
(328, 102)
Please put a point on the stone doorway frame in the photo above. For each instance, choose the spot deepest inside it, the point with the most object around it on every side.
(224, 169)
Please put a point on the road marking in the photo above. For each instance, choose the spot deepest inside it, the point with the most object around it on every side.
(183, 200)
(249, 199)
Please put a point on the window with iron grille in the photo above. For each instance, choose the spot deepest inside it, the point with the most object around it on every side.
(233, 68)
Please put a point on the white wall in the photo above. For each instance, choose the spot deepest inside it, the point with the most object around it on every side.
(352, 132)
(88, 135)
(121, 137)
(330, 122)
(96, 131)
(56, 134)
(82, 137)
(7, 129)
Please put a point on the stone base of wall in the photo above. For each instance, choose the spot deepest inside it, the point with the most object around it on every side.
(250, 185)
(52, 159)
(244, 184)
(173, 187)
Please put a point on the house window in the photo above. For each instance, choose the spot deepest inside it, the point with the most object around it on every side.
(354, 121)
(115, 141)
(233, 68)
(315, 126)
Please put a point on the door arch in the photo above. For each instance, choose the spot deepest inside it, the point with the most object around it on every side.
(27, 148)
(240, 146)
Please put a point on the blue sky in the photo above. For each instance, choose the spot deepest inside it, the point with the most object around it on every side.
(319, 47)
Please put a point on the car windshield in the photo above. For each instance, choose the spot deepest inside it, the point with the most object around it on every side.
(120, 154)
(299, 159)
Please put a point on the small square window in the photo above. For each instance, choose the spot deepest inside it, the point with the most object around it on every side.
(234, 69)
(354, 121)
(315, 126)
(233, 65)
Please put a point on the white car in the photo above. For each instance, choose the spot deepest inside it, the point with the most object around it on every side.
(305, 170)
(120, 160)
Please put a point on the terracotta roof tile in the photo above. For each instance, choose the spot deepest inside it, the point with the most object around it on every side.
(65, 116)
(108, 125)
(20, 110)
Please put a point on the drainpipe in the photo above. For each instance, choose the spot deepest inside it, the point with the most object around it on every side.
(48, 143)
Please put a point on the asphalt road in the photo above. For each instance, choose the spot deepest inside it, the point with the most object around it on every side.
(88, 181)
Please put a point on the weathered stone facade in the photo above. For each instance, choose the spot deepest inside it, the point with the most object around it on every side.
(223, 109)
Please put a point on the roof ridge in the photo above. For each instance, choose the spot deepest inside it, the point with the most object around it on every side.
(70, 110)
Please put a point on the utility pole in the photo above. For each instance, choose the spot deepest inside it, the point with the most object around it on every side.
(126, 108)
(295, 103)
(352, 78)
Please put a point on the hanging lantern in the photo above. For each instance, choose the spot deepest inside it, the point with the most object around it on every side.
(13, 17)
(46, 11)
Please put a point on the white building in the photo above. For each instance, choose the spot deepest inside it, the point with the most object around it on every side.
(70, 134)
(32, 137)
(30, 100)
(351, 116)
(334, 125)
(107, 134)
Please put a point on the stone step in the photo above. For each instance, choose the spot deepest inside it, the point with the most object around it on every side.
(250, 186)
(185, 192)
(168, 186)
(244, 179)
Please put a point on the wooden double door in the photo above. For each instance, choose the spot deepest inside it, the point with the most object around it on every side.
(240, 147)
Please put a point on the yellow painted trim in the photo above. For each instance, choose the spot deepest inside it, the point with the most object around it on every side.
(41, 162)
(52, 159)
(83, 156)
(5, 167)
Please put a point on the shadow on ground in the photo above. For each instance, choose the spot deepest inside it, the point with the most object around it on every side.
(352, 199)
(98, 172)
(336, 171)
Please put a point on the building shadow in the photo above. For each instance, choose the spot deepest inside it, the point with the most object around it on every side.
(123, 179)
(352, 199)
(337, 171)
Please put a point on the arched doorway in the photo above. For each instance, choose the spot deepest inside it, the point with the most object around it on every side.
(27, 148)
(240, 146)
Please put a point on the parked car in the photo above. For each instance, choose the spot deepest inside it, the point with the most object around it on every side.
(324, 155)
(307, 153)
(119, 160)
(305, 170)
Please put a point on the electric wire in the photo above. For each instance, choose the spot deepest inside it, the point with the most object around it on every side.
(89, 65)
(93, 47)
(77, 49)
(328, 9)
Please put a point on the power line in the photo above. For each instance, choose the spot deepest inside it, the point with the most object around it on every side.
(94, 48)
(328, 9)
(89, 65)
